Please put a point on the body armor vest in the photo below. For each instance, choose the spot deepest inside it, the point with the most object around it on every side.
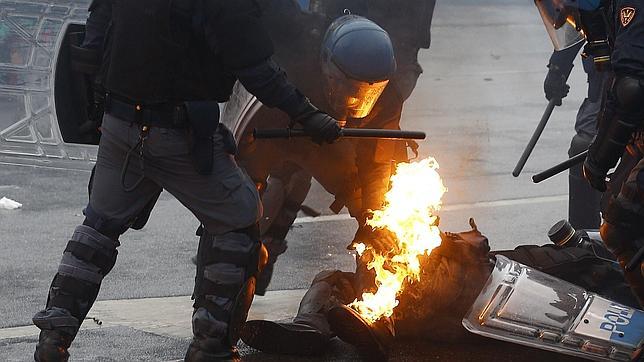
(155, 55)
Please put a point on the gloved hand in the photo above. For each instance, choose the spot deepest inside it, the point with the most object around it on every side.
(594, 174)
(554, 85)
(322, 127)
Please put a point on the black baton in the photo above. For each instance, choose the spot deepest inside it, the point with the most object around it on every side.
(557, 169)
(390, 134)
(535, 137)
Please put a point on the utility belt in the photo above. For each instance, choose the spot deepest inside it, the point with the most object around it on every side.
(164, 115)
(201, 117)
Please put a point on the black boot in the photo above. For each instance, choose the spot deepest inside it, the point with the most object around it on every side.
(373, 341)
(309, 333)
(88, 257)
(284, 338)
(206, 350)
(224, 289)
(52, 346)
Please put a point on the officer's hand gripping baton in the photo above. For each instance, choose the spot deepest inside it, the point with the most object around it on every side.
(389, 134)
(557, 169)
(535, 137)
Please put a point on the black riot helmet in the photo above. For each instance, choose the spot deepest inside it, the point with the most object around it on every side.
(357, 60)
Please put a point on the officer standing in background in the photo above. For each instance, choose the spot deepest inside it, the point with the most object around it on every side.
(164, 67)
(614, 30)
(583, 200)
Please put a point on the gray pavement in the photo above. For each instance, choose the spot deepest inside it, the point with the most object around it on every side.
(479, 100)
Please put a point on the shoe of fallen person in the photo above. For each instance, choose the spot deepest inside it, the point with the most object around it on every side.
(205, 350)
(284, 338)
(373, 341)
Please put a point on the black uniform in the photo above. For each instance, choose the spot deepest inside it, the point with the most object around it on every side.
(620, 136)
(165, 66)
(583, 200)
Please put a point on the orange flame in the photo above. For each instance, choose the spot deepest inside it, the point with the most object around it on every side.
(409, 213)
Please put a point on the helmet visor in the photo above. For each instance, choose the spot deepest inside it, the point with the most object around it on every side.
(559, 20)
(350, 98)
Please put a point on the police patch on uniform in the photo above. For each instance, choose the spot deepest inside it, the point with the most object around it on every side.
(626, 15)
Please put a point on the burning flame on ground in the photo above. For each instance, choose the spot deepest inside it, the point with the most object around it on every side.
(409, 213)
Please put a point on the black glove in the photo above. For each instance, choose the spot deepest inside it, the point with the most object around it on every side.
(554, 85)
(322, 127)
(594, 174)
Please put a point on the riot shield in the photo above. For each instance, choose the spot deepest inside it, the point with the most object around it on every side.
(521, 305)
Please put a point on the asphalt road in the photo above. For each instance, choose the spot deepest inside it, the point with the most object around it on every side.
(479, 99)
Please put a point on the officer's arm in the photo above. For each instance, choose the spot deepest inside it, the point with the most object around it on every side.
(97, 23)
(268, 82)
(564, 58)
(622, 111)
(235, 33)
(559, 68)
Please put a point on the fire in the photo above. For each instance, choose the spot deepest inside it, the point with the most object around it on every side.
(410, 213)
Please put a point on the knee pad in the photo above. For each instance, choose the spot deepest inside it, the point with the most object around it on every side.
(59, 319)
(578, 144)
(629, 93)
(227, 266)
(88, 257)
(620, 214)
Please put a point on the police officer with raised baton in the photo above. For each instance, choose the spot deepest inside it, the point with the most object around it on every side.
(583, 200)
(614, 30)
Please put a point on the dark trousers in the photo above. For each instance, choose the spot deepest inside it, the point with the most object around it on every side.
(222, 201)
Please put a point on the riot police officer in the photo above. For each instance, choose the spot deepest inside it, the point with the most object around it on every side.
(362, 168)
(614, 30)
(583, 200)
(164, 67)
(620, 133)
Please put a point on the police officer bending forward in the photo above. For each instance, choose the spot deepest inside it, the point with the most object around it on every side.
(164, 67)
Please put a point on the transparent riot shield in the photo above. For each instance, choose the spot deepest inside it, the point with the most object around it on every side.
(559, 24)
(521, 305)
